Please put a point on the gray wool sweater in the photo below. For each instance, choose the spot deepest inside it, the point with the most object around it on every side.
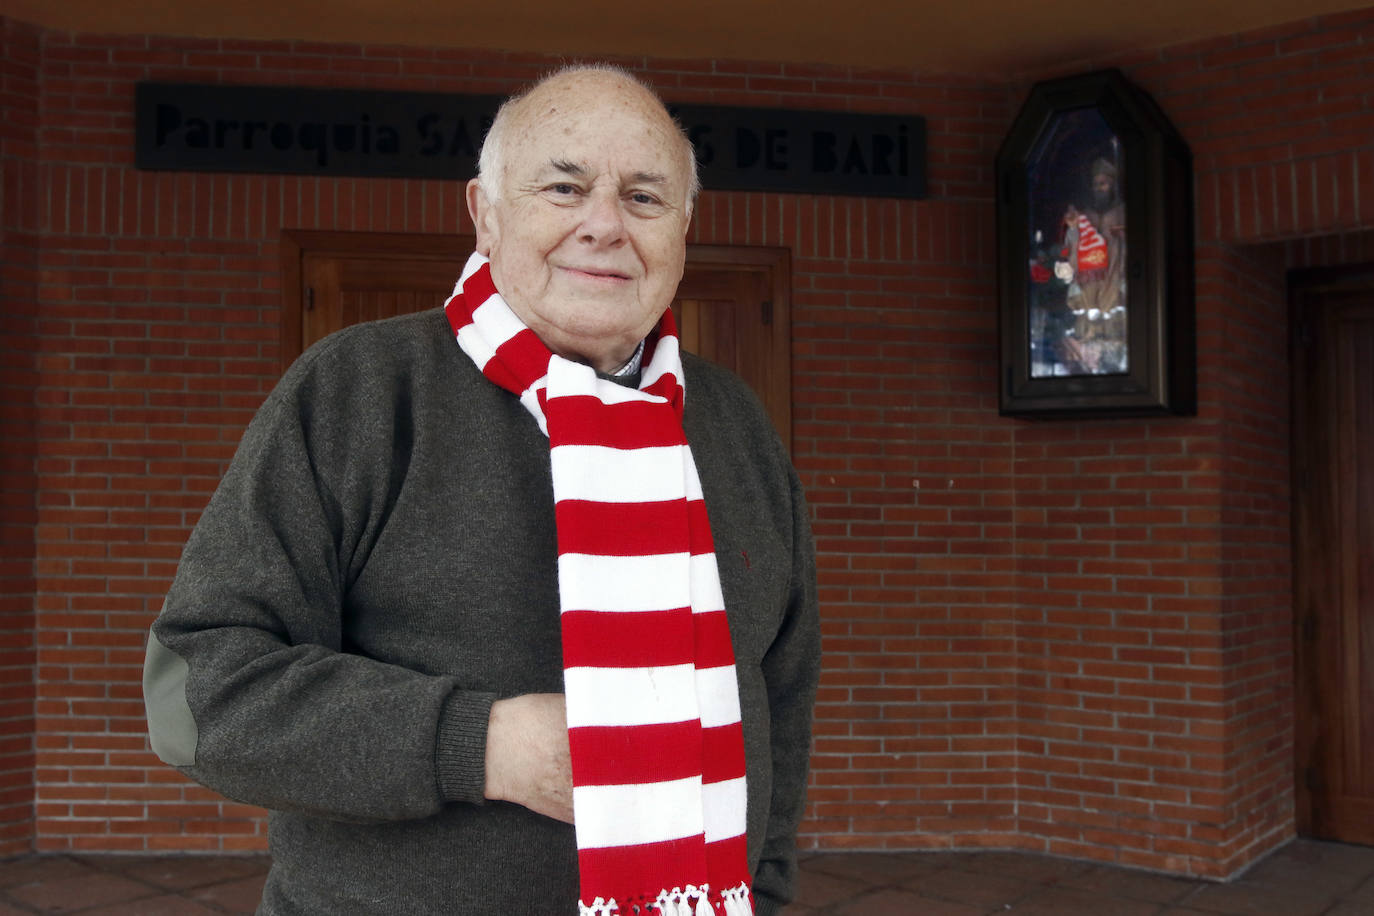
(378, 566)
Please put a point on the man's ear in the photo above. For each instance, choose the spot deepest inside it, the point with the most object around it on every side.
(483, 215)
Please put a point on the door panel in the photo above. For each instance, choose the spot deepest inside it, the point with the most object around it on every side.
(1333, 420)
(333, 279)
(342, 290)
(732, 308)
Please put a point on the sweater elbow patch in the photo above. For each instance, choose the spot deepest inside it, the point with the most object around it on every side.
(171, 727)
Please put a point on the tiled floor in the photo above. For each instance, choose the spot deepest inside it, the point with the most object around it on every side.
(131, 885)
(1305, 878)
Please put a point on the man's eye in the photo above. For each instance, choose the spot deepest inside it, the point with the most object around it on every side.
(562, 190)
(641, 197)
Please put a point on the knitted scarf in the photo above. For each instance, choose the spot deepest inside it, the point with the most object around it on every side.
(1092, 247)
(648, 669)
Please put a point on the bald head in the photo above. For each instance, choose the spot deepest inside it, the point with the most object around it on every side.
(575, 82)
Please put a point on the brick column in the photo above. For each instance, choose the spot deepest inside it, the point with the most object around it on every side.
(19, 233)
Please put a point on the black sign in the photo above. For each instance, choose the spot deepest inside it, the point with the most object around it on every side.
(818, 152)
(336, 132)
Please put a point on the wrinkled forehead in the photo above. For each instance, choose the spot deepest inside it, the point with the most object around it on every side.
(602, 110)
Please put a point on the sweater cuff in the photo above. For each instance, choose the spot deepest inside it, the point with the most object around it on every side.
(460, 746)
(766, 906)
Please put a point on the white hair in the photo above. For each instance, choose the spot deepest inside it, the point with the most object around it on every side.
(491, 161)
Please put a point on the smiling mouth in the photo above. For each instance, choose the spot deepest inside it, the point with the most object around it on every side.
(595, 274)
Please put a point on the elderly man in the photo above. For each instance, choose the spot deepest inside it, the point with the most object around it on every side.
(510, 608)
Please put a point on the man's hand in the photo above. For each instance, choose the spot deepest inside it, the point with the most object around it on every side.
(527, 754)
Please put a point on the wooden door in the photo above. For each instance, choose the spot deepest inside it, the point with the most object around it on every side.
(1333, 530)
(333, 279)
(732, 306)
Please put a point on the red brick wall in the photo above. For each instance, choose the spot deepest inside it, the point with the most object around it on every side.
(19, 228)
(1154, 620)
(1248, 336)
(908, 471)
(1119, 663)
(161, 308)
(1067, 636)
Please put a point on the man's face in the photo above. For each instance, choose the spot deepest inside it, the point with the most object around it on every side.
(1104, 191)
(588, 234)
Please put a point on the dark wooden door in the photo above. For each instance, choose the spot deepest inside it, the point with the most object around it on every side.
(333, 279)
(732, 306)
(343, 290)
(1333, 530)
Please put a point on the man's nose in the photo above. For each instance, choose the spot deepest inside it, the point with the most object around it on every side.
(603, 220)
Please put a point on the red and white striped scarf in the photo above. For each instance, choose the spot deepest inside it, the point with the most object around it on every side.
(648, 669)
(1092, 247)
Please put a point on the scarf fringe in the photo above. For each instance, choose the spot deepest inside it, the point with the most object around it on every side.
(694, 901)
